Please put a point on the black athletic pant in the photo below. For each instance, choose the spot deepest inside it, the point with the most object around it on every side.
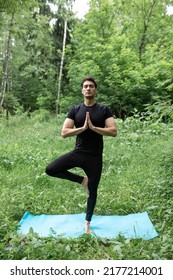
(92, 166)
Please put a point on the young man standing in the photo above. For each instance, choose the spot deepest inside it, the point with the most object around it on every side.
(89, 122)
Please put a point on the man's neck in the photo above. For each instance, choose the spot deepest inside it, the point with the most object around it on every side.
(89, 102)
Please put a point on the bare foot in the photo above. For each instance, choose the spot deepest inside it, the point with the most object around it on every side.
(85, 184)
(87, 227)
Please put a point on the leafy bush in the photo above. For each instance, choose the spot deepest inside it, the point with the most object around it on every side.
(160, 110)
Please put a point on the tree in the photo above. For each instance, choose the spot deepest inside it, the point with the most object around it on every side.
(122, 38)
(8, 5)
(66, 15)
(61, 67)
(8, 10)
(125, 45)
(7, 51)
(36, 54)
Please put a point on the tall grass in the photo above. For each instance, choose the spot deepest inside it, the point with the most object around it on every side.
(137, 177)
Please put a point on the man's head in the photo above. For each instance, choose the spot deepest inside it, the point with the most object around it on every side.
(89, 78)
(89, 87)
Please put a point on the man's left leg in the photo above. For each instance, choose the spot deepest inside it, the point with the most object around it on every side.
(93, 169)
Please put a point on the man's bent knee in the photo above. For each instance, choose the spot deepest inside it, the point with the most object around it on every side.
(49, 171)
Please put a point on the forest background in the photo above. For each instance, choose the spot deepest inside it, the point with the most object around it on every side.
(44, 54)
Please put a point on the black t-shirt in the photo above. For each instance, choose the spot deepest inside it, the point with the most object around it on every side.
(89, 141)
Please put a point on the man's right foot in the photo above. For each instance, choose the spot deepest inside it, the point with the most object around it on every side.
(85, 185)
(87, 227)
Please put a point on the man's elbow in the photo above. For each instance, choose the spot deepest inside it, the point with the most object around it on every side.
(114, 133)
(63, 134)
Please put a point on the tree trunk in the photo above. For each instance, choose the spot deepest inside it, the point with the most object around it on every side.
(61, 68)
(6, 61)
(147, 18)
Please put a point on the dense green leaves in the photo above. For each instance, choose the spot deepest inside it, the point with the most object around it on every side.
(35, 53)
(125, 45)
(131, 60)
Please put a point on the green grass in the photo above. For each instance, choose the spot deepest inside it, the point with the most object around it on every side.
(137, 177)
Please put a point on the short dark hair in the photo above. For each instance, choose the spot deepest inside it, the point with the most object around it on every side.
(89, 78)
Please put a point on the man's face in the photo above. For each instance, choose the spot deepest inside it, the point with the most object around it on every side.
(88, 89)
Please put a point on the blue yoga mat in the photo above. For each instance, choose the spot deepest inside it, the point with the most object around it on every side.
(130, 226)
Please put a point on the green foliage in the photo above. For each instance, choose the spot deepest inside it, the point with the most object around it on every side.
(8, 5)
(137, 177)
(11, 103)
(35, 53)
(160, 110)
(125, 45)
(131, 61)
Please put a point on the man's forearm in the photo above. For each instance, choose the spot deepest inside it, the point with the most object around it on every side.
(107, 131)
(67, 132)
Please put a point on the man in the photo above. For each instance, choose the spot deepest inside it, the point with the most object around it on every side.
(89, 122)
